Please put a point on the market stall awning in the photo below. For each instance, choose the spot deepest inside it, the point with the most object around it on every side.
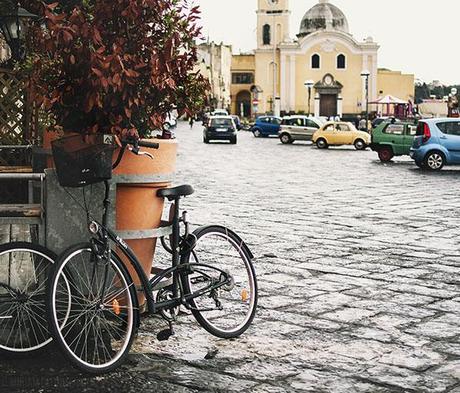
(389, 99)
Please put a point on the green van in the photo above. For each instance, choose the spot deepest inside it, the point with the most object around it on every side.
(393, 139)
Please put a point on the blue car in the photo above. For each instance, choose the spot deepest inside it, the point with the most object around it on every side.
(266, 126)
(437, 143)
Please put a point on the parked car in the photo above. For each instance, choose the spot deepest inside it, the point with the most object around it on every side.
(237, 122)
(298, 128)
(266, 126)
(220, 112)
(390, 140)
(437, 143)
(386, 119)
(220, 128)
(336, 133)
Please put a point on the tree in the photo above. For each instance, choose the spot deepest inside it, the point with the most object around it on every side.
(115, 66)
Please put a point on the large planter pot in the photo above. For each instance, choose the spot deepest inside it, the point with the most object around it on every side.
(138, 209)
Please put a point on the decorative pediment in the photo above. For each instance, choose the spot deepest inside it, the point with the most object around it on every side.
(329, 85)
(328, 46)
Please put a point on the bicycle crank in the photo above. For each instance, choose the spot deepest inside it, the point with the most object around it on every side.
(169, 314)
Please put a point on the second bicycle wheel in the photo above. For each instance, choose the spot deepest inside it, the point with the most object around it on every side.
(23, 274)
(97, 334)
(228, 311)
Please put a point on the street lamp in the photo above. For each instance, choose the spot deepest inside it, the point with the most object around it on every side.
(309, 84)
(13, 24)
(365, 74)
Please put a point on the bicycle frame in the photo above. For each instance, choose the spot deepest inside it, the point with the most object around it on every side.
(106, 235)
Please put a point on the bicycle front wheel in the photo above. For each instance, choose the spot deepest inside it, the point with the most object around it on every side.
(97, 334)
(227, 309)
(23, 274)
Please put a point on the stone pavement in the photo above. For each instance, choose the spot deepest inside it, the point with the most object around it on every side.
(358, 265)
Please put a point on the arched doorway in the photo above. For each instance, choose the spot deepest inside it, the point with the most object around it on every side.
(243, 103)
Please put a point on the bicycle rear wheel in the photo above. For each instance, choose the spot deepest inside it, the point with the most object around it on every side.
(23, 273)
(228, 311)
(98, 334)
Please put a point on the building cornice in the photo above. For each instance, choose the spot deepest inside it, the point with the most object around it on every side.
(305, 43)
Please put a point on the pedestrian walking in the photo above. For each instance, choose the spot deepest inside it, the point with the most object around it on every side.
(191, 121)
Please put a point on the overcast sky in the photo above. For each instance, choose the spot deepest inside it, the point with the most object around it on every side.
(415, 36)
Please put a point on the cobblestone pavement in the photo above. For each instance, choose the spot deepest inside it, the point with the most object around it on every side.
(358, 267)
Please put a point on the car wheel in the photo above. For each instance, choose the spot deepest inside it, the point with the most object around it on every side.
(205, 140)
(322, 144)
(386, 154)
(434, 161)
(285, 139)
(359, 144)
(257, 133)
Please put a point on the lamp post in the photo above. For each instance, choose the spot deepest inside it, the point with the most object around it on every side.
(13, 22)
(309, 84)
(365, 74)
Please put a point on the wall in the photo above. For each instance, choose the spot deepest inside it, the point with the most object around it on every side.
(395, 83)
(350, 77)
(241, 63)
(264, 78)
(214, 62)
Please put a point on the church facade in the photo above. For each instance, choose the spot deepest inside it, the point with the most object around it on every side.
(319, 72)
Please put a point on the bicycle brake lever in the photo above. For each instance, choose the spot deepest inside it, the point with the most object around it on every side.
(144, 153)
(137, 151)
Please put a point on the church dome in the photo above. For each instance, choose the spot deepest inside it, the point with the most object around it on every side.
(323, 16)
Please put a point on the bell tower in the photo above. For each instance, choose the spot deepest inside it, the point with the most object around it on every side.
(272, 23)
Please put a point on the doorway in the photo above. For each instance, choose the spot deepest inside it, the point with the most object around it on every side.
(243, 104)
(328, 105)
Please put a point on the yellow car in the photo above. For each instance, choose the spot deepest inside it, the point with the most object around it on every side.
(336, 133)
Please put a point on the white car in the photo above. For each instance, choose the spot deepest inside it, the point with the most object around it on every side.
(220, 112)
(298, 128)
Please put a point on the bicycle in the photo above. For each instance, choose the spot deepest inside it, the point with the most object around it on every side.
(211, 274)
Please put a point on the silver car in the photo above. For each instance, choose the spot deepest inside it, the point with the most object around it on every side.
(298, 128)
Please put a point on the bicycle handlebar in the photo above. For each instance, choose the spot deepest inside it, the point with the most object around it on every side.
(135, 143)
(151, 145)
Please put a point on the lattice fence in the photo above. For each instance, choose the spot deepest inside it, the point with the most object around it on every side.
(13, 109)
(17, 128)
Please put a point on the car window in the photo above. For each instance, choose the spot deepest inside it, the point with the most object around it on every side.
(312, 124)
(264, 120)
(395, 129)
(299, 122)
(286, 122)
(411, 130)
(450, 128)
(276, 121)
(329, 127)
(221, 123)
(342, 127)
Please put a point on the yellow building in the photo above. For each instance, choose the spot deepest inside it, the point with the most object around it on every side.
(324, 53)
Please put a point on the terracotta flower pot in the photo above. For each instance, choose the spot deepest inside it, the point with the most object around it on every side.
(138, 209)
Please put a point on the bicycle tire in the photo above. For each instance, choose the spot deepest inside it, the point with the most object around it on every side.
(99, 334)
(240, 296)
(23, 325)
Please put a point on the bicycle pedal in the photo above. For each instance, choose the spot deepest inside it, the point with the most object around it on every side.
(165, 334)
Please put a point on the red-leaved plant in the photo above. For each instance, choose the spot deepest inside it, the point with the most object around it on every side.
(115, 66)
